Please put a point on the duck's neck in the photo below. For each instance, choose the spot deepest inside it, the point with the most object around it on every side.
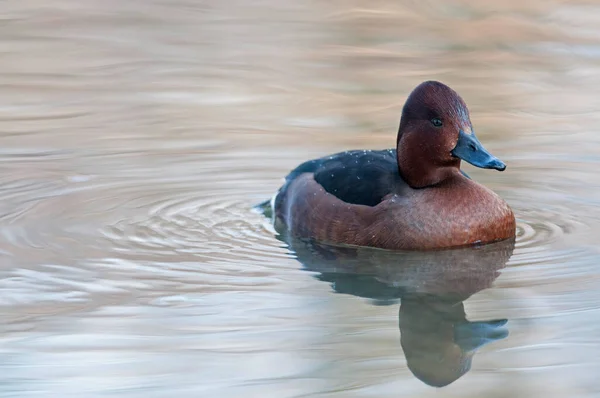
(419, 171)
(425, 177)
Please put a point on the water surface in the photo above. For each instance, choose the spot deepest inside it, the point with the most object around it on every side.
(135, 137)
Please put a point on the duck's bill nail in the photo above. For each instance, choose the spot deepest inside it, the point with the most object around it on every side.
(469, 149)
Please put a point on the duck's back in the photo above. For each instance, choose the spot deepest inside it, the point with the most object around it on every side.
(355, 177)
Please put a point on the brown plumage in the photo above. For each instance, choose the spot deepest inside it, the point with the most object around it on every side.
(413, 198)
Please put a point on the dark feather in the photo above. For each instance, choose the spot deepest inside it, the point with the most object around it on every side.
(357, 177)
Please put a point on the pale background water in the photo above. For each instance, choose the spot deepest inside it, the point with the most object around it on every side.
(135, 137)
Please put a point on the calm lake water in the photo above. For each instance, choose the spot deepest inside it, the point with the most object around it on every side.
(135, 137)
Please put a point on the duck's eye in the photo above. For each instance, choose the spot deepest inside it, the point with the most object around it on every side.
(436, 121)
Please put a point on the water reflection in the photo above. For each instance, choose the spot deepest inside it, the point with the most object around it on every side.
(438, 340)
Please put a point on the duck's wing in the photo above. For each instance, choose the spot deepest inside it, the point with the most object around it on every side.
(357, 177)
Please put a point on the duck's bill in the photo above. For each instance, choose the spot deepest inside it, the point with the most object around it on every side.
(469, 149)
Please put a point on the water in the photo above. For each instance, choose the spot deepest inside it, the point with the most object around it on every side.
(136, 137)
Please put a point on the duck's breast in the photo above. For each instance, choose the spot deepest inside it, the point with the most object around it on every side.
(454, 215)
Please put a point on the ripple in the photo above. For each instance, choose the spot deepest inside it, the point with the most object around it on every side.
(540, 235)
(209, 228)
(537, 232)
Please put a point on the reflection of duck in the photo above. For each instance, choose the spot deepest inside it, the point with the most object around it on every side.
(438, 341)
(411, 197)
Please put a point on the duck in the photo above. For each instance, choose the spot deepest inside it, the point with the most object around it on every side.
(412, 197)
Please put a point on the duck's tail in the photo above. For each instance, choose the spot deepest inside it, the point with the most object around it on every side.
(262, 206)
(266, 207)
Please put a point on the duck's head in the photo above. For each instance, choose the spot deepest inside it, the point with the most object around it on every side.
(435, 134)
